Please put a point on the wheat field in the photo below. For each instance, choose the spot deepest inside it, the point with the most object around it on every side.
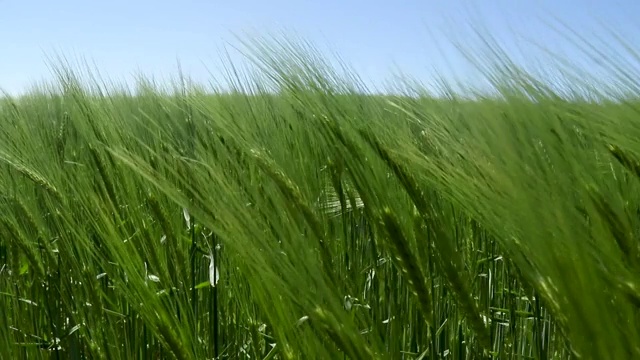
(299, 217)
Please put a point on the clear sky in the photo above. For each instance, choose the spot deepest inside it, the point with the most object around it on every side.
(374, 36)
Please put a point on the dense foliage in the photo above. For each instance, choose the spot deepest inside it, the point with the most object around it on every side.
(298, 218)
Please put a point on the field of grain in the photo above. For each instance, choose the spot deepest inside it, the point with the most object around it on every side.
(300, 218)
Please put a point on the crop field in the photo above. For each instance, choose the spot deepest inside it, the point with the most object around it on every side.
(299, 217)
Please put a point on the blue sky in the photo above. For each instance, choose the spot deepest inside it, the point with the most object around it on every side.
(375, 37)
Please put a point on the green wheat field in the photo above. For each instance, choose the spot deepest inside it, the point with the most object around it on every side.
(299, 216)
